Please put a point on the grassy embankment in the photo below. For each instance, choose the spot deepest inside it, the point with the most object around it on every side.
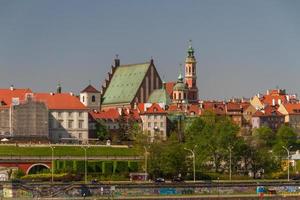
(66, 151)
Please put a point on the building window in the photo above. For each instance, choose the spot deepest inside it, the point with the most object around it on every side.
(155, 117)
(155, 124)
(80, 114)
(149, 124)
(80, 135)
(80, 124)
(83, 99)
(161, 124)
(70, 124)
(59, 114)
(70, 114)
(93, 98)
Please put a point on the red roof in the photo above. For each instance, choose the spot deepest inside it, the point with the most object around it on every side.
(169, 88)
(268, 111)
(6, 95)
(111, 114)
(90, 89)
(233, 106)
(194, 108)
(60, 101)
(217, 107)
(155, 109)
(292, 108)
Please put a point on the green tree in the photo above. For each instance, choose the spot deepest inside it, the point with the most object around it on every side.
(101, 130)
(263, 137)
(287, 137)
(213, 135)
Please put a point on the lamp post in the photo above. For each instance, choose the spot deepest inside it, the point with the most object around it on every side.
(85, 163)
(230, 151)
(52, 162)
(146, 162)
(288, 153)
(194, 163)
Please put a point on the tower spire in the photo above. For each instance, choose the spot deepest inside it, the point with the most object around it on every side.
(180, 77)
(190, 49)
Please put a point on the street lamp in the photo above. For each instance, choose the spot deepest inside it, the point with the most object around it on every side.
(146, 162)
(288, 153)
(52, 162)
(230, 150)
(194, 163)
(85, 163)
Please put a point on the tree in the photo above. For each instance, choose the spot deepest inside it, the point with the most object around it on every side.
(263, 137)
(101, 130)
(167, 159)
(213, 135)
(286, 136)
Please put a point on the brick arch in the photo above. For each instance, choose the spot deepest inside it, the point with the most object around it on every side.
(37, 164)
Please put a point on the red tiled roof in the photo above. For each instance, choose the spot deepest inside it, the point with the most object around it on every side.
(233, 106)
(6, 95)
(258, 114)
(114, 115)
(155, 109)
(60, 101)
(268, 111)
(169, 88)
(141, 107)
(194, 108)
(268, 99)
(90, 89)
(292, 108)
(214, 106)
(111, 114)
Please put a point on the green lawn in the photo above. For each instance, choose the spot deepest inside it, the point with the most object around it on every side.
(66, 151)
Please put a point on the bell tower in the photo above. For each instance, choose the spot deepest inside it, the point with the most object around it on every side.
(190, 75)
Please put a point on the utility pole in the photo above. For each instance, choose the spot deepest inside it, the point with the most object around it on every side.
(194, 160)
(52, 163)
(230, 151)
(288, 154)
(85, 163)
(146, 162)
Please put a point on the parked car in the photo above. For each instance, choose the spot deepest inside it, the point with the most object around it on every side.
(177, 179)
(159, 180)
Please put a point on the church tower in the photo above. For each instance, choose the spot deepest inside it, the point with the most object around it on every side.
(190, 75)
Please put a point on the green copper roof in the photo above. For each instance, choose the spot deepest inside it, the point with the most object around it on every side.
(125, 83)
(159, 96)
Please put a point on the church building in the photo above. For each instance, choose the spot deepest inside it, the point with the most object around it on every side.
(128, 85)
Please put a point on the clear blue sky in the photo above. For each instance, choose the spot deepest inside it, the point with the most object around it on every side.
(242, 47)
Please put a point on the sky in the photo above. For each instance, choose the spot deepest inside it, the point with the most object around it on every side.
(242, 47)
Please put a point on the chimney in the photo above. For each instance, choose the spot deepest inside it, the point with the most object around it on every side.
(117, 61)
(58, 89)
(11, 87)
